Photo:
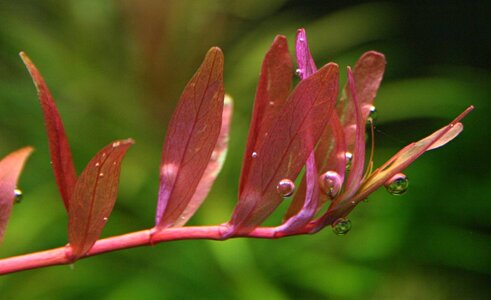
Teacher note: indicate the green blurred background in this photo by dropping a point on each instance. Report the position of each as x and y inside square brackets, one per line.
[116, 69]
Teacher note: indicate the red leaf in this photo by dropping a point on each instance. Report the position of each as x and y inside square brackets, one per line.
[61, 156]
[355, 175]
[94, 197]
[410, 153]
[10, 168]
[330, 156]
[285, 149]
[367, 73]
[191, 138]
[306, 200]
[214, 166]
[274, 85]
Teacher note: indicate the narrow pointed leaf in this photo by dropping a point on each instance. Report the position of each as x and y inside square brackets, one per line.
[274, 85]
[214, 165]
[94, 197]
[286, 148]
[311, 201]
[191, 137]
[10, 169]
[367, 74]
[61, 155]
[395, 165]
[355, 175]
[410, 153]
[330, 156]
[306, 200]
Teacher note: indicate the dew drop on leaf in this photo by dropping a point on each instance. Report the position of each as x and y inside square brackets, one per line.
[330, 183]
[299, 72]
[285, 188]
[18, 196]
[372, 113]
[397, 184]
[349, 158]
[254, 154]
[341, 226]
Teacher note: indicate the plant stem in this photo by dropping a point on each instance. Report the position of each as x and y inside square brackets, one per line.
[63, 256]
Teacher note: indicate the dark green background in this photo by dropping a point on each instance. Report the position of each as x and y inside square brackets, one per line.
[116, 69]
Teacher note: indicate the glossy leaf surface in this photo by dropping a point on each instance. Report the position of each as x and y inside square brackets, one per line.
[60, 153]
[289, 142]
[191, 137]
[10, 169]
[94, 197]
[214, 165]
[274, 85]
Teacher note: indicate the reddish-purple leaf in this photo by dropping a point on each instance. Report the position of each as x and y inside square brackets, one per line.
[306, 200]
[214, 165]
[94, 196]
[310, 202]
[10, 168]
[290, 140]
[355, 175]
[395, 165]
[274, 85]
[329, 156]
[410, 153]
[367, 74]
[191, 137]
[61, 156]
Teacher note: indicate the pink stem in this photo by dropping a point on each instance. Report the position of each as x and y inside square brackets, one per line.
[62, 255]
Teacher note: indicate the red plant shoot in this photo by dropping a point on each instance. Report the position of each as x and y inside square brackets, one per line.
[290, 129]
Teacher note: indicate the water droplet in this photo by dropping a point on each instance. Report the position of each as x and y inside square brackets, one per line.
[101, 174]
[330, 183]
[299, 72]
[97, 164]
[116, 144]
[18, 196]
[301, 39]
[397, 185]
[105, 219]
[254, 154]
[341, 226]
[349, 158]
[285, 188]
[271, 103]
[372, 113]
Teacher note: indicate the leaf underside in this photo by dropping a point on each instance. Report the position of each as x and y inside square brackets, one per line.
[10, 169]
[60, 153]
[214, 166]
[191, 137]
[94, 197]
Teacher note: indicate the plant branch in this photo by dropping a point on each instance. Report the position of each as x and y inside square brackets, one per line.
[63, 255]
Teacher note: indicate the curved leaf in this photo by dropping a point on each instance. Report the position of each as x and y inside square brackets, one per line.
[59, 148]
[306, 201]
[367, 74]
[214, 165]
[94, 197]
[355, 175]
[290, 140]
[275, 83]
[411, 152]
[191, 137]
[10, 168]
